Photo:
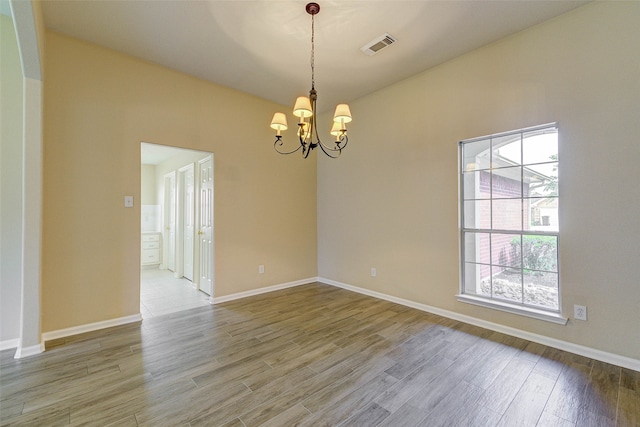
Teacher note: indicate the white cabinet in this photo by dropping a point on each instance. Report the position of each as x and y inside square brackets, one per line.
[150, 251]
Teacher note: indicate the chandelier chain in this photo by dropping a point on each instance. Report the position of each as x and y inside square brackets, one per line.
[313, 44]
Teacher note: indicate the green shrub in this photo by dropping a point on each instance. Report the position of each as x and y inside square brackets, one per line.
[540, 253]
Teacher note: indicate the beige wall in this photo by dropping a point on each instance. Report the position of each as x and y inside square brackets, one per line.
[10, 182]
[99, 106]
[391, 201]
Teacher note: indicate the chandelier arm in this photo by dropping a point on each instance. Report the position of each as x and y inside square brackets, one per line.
[303, 143]
[327, 150]
[301, 137]
[280, 142]
[307, 150]
[306, 153]
[344, 140]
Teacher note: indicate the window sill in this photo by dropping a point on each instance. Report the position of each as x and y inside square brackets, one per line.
[513, 309]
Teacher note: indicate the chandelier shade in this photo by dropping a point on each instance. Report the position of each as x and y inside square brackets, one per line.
[279, 122]
[302, 108]
[336, 130]
[305, 109]
[342, 114]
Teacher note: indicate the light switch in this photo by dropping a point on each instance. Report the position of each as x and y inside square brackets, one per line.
[128, 201]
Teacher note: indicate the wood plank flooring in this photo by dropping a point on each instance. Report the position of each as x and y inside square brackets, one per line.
[313, 355]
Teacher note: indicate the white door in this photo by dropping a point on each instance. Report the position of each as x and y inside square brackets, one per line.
[205, 232]
[170, 220]
[188, 225]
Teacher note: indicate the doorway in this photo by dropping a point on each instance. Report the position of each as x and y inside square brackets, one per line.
[205, 232]
[177, 265]
[187, 206]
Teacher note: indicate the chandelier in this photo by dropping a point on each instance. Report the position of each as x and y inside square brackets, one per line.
[305, 110]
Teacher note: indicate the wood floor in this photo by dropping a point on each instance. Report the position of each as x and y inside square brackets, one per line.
[314, 355]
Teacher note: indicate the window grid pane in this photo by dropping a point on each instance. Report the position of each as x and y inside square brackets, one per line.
[509, 216]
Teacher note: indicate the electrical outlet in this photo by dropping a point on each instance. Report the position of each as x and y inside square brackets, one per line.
[373, 272]
[580, 312]
[261, 269]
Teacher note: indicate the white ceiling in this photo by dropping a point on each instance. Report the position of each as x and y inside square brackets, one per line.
[262, 47]
[154, 154]
[5, 8]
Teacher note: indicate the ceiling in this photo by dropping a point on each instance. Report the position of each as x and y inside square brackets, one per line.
[154, 154]
[5, 8]
[262, 47]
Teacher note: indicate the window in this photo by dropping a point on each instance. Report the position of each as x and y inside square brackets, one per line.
[509, 221]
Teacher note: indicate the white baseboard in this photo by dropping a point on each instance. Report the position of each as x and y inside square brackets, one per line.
[581, 350]
[61, 333]
[7, 344]
[239, 295]
[22, 352]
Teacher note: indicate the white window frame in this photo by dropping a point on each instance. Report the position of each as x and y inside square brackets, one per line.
[520, 308]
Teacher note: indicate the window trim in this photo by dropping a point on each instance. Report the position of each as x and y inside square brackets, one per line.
[550, 315]
[525, 310]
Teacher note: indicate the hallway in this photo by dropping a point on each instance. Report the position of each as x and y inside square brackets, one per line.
[161, 293]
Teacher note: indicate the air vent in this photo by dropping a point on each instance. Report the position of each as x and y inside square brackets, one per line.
[377, 44]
